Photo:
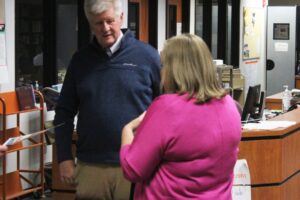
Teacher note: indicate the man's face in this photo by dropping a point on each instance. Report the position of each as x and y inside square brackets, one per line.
[106, 26]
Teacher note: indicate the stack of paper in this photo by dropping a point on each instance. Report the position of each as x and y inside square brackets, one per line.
[268, 125]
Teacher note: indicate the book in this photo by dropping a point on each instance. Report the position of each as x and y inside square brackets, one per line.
[26, 97]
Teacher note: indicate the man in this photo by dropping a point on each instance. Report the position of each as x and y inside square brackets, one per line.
[108, 83]
[3, 148]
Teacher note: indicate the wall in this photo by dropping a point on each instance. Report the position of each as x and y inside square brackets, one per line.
[10, 43]
[1, 10]
[161, 24]
[125, 11]
[255, 72]
[192, 16]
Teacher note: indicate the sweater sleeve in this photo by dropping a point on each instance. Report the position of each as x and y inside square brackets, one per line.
[140, 159]
[156, 75]
[65, 111]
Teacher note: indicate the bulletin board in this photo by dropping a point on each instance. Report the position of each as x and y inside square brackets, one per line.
[252, 33]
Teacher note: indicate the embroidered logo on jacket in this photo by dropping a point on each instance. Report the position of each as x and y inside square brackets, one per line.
[130, 64]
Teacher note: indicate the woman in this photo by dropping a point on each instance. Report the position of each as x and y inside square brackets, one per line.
[186, 145]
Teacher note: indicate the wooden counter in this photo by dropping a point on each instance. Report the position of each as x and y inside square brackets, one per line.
[273, 160]
[274, 102]
[273, 157]
[297, 81]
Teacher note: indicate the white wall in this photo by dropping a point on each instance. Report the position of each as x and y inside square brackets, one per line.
[10, 44]
[192, 16]
[255, 73]
[125, 14]
[161, 24]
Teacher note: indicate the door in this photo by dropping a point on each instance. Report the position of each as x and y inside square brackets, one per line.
[173, 17]
[281, 39]
[138, 19]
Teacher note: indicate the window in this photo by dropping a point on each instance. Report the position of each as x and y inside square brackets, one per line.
[217, 22]
[29, 42]
[47, 35]
[66, 35]
[133, 18]
[199, 18]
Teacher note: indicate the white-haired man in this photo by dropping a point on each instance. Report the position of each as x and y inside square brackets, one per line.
[108, 83]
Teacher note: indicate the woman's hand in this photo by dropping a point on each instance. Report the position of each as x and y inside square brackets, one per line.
[130, 128]
[3, 148]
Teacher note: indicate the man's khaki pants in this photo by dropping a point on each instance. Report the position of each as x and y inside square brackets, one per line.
[100, 181]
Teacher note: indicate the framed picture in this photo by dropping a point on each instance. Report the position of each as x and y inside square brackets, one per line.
[281, 31]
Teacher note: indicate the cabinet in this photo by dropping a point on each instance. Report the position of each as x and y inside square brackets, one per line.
[11, 182]
[232, 79]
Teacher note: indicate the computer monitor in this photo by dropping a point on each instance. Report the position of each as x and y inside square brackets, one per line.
[254, 104]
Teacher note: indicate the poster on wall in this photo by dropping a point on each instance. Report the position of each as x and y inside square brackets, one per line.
[252, 33]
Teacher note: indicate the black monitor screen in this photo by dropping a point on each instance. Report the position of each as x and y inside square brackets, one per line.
[253, 108]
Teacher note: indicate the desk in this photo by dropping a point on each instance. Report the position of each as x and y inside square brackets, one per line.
[273, 160]
[274, 102]
[297, 81]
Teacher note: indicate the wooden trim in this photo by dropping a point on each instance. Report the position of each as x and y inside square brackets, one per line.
[178, 4]
[143, 19]
[285, 191]
[297, 81]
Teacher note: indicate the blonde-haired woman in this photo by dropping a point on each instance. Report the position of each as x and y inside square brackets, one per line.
[186, 145]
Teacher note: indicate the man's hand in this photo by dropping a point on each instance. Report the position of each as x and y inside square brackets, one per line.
[67, 169]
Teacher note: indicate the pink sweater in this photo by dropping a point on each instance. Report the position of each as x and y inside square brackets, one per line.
[184, 151]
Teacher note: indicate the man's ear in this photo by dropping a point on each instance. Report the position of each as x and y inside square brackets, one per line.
[121, 17]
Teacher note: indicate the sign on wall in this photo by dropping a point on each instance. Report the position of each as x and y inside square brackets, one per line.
[252, 33]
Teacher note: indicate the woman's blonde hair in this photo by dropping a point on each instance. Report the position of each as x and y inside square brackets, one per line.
[188, 69]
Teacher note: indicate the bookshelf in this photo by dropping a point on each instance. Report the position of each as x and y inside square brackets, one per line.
[29, 42]
[11, 182]
[232, 79]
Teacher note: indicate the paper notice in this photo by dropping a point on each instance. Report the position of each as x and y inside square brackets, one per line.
[2, 49]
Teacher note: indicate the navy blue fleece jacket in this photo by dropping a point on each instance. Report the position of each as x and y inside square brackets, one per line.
[106, 93]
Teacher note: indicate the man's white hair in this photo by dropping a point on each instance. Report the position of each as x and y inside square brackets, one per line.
[95, 7]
